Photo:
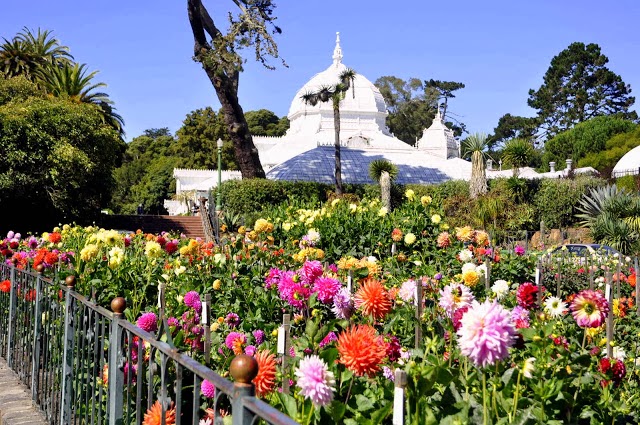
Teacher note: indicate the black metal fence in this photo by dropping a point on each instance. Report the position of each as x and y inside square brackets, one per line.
[85, 364]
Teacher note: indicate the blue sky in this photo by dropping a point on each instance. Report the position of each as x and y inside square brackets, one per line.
[499, 49]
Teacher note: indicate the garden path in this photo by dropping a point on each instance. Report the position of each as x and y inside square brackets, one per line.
[16, 407]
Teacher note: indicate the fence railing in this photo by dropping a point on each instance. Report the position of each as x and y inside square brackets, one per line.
[85, 364]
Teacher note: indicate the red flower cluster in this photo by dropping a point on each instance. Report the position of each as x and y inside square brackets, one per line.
[613, 369]
[527, 295]
[55, 237]
[5, 286]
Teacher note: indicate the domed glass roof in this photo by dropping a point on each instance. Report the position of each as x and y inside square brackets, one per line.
[629, 164]
[363, 97]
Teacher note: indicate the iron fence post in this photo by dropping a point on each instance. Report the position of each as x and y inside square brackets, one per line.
[13, 298]
[67, 359]
[116, 371]
[243, 369]
[37, 325]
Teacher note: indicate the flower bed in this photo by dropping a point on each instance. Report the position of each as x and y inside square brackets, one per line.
[351, 277]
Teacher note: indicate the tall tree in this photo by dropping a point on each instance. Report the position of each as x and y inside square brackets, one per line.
[265, 123]
[578, 86]
[252, 26]
[445, 91]
[335, 94]
[517, 153]
[512, 127]
[412, 105]
[475, 146]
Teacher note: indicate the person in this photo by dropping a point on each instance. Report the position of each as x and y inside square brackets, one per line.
[140, 210]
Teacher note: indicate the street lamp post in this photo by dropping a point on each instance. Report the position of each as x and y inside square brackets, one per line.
[219, 197]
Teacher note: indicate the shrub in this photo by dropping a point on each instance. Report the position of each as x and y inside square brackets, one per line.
[556, 200]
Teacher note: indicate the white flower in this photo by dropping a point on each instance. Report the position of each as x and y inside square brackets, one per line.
[383, 211]
[500, 288]
[466, 267]
[372, 259]
[313, 235]
[555, 306]
[482, 269]
[465, 255]
[179, 270]
[527, 368]
[618, 353]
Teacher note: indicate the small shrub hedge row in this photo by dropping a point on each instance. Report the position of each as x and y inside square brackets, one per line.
[518, 203]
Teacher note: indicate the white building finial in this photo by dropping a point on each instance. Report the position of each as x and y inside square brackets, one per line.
[337, 52]
[438, 117]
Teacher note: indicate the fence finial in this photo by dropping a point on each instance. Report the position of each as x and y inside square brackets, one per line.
[70, 281]
[243, 369]
[118, 305]
[40, 268]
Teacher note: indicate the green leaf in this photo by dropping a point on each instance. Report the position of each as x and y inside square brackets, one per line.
[337, 410]
[289, 403]
[363, 403]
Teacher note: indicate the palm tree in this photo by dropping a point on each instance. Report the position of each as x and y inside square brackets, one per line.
[475, 146]
[334, 93]
[71, 81]
[27, 52]
[517, 153]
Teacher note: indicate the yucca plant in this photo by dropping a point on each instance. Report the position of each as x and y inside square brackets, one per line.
[475, 145]
[378, 166]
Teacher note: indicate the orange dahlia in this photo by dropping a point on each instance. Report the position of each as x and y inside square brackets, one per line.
[361, 350]
[373, 299]
[265, 381]
[154, 415]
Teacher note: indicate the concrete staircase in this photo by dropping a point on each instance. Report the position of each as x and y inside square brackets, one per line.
[189, 225]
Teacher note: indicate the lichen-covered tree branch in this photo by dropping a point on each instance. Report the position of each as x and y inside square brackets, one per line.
[252, 26]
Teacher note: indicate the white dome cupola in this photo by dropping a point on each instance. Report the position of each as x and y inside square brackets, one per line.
[362, 109]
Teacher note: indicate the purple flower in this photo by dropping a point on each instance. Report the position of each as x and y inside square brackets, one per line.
[148, 322]
[259, 336]
[172, 321]
[250, 350]
[292, 290]
[315, 380]
[326, 288]
[519, 250]
[520, 317]
[486, 333]
[234, 341]
[208, 389]
[343, 304]
[333, 268]
[438, 276]
[387, 372]
[232, 320]
[192, 299]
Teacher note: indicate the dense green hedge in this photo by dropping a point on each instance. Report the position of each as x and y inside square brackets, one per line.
[528, 201]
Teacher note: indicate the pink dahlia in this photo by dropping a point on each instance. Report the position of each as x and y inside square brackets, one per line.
[407, 290]
[589, 308]
[293, 291]
[326, 288]
[310, 271]
[192, 299]
[455, 296]
[148, 322]
[315, 380]
[208, 389]
[486, 333]
[235, 341]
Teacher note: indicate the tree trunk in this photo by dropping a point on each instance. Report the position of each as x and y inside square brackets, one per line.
[336, 125]
[224, 77]
[478, 183]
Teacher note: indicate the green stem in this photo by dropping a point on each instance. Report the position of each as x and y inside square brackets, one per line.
[484, 398]
[516, 395]
[310, 413]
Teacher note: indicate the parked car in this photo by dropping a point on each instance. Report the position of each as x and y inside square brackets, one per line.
[582, 249]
